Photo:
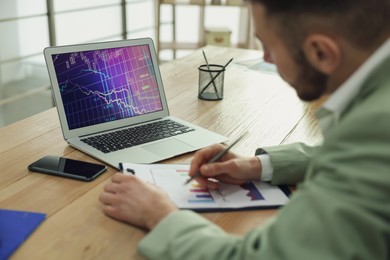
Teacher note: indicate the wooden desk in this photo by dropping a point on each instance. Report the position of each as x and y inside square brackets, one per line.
[75, 227]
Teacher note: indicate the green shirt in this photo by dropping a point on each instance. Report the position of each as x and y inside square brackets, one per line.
[340, 211]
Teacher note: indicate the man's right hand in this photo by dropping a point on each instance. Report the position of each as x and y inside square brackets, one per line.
[231, 168]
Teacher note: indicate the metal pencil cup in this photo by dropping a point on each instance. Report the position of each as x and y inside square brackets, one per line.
[211, 80]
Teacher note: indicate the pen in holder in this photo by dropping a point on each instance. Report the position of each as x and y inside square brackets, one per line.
[211, 80]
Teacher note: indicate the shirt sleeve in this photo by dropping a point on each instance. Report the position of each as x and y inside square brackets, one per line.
[289, 162]
[166, 241]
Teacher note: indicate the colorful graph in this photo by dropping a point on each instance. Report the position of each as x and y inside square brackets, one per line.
[253, 192]
[171, 179]
[199, 195]
[194, 195]
[105, 85]
[246, 192]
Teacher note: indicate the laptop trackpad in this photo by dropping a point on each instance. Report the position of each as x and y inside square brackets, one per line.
[168, 147]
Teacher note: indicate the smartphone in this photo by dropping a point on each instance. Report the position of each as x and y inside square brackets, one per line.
[65, 167]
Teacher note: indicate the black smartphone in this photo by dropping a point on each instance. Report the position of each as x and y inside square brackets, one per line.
[65, 167]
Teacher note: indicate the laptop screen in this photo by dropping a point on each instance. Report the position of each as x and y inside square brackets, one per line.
[104, 85]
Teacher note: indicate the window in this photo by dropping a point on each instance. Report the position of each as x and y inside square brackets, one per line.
[27, 27]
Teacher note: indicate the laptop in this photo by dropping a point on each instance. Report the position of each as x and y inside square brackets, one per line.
[111, 103]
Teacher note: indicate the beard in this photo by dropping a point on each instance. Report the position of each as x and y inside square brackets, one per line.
[310, 83]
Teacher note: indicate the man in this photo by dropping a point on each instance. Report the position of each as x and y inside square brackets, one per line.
[341, 210]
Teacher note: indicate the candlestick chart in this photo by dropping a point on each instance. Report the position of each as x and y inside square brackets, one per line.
[105, 85]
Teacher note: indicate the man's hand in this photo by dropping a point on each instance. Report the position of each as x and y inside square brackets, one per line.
[231, 168]
[136, 202]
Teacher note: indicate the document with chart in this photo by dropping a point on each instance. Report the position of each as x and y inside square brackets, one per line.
[171, 178]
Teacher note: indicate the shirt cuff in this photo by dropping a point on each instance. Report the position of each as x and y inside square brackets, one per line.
[266, 165]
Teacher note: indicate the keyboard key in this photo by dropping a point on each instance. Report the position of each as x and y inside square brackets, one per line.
[141, 134]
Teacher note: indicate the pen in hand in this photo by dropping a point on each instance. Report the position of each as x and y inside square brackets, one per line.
[216, 157]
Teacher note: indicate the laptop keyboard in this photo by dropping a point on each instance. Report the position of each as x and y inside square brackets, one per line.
[125, 138]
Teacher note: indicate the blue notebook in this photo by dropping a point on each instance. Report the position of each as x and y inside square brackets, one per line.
[15, 227]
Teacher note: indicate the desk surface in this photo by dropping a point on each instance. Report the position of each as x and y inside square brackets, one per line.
[76, 228]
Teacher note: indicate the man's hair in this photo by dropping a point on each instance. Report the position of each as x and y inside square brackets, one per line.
[363, 23]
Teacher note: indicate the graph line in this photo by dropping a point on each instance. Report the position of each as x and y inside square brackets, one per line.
[104, 85]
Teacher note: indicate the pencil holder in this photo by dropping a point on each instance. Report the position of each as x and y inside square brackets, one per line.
[211, 80]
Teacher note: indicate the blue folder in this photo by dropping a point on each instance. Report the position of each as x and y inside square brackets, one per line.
[15, 227]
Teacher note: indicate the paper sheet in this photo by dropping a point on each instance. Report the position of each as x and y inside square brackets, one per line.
[171, 178]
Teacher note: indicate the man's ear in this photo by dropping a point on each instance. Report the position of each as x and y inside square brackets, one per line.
[322, 52]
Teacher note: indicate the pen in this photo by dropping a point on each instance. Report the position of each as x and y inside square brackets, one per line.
[127, 169]
[211, 76]
[212, 80]
[217, 157]
[130, 171]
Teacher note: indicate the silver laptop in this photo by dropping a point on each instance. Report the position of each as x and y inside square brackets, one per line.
[108, 87]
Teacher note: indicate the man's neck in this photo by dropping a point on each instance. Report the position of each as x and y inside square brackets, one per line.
[349, 88]
[352, 58]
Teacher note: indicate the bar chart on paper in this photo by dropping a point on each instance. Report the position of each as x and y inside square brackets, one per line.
[199, 194]
[171, 178]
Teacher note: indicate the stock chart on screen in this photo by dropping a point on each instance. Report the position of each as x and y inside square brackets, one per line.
[106, 85]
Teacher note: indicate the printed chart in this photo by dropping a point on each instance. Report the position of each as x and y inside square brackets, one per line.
[171, 178]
